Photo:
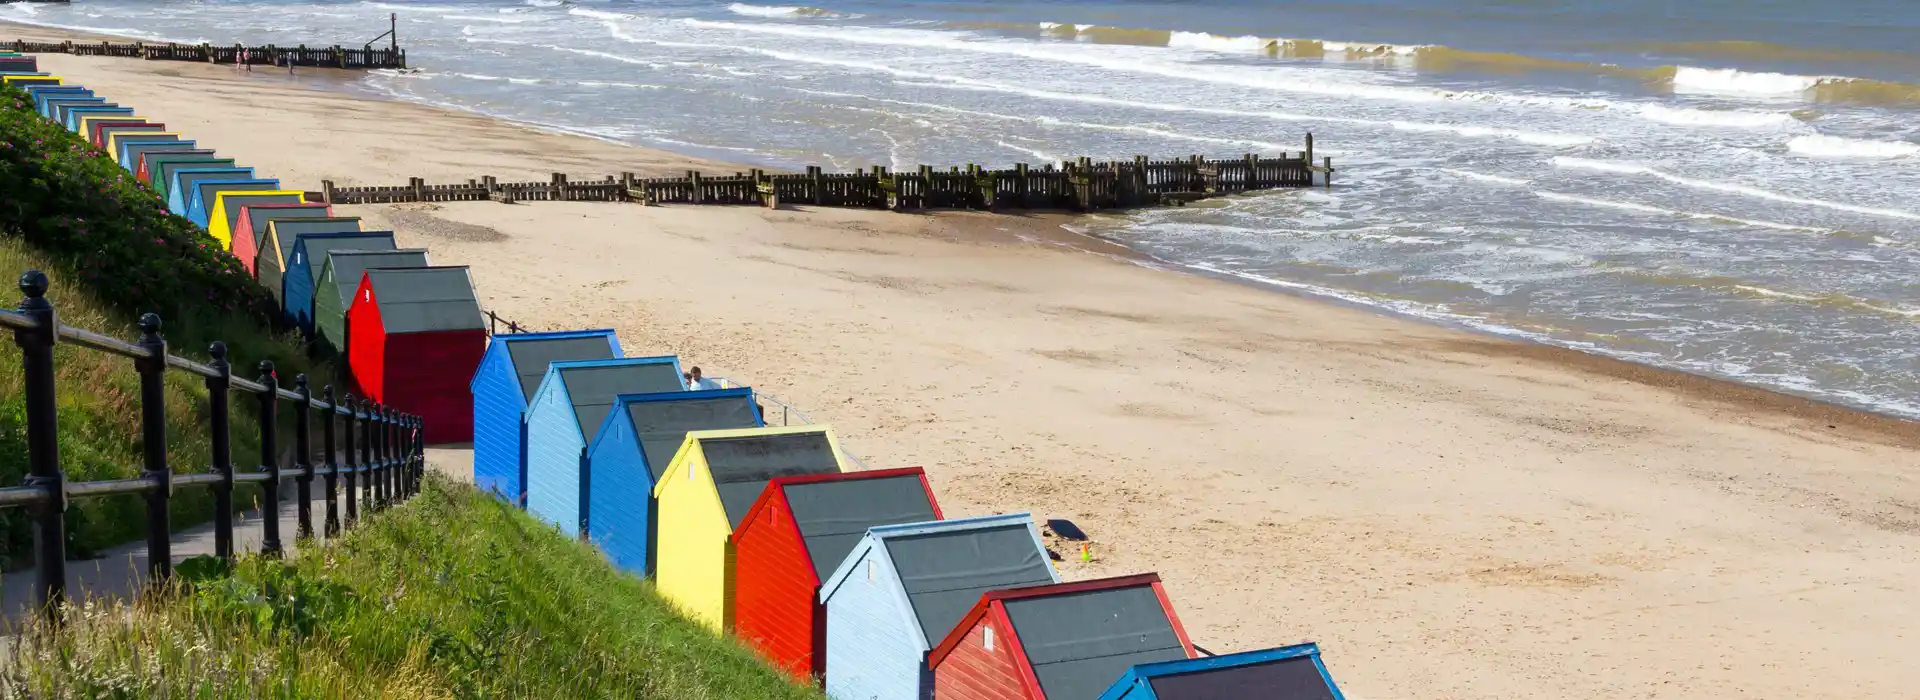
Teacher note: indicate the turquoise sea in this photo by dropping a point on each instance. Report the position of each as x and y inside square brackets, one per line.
[1726, 187]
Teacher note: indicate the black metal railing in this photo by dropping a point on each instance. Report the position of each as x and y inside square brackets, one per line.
[389, 464]
[495, 323]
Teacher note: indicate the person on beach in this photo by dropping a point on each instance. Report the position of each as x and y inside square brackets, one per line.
[697, 383]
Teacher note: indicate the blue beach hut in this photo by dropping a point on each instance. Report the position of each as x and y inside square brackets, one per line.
[200, 196]
[904, 587]
[42, 93]
[180, 190]
[73, 114]
[1282, 673]
[58, 105]
[641, 435]
[565, 415]
[131, 147]
[304, 263]
[509, 375]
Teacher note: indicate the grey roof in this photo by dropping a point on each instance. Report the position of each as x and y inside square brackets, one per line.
[1079, 643]
[426, 299]
[257, 218]
[318, 245]
[208, 190]
[945, 572]
[530, 357]
[234, 207]
[351, 263]
[189, 180]
[834, 515]
[663, 425]
[742, 466]
[593, 389]
[286, 230]
[1295, 678]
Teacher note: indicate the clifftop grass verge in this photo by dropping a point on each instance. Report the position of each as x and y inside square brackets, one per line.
[452, 595]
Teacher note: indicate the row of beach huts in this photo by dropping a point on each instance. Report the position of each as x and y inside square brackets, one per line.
[409, 333]
[852, 579]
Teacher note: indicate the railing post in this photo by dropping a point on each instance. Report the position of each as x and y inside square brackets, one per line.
[270, 460]
[396, 443]
[352, 465]
[382, 462]
[303, 455]
[43, 443]
[366, 455]
[332, 462]
[219, 430]
[419, 454]
[153, 442]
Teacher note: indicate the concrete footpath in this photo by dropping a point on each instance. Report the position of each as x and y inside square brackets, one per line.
[122, 570]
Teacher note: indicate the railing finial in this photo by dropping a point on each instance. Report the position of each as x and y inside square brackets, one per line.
[266, 371]
[149, 327]
[299, 382]
[219, 352]
[34, 284]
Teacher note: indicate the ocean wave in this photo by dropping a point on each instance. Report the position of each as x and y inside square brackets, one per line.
[1838, 147]
[1213, 42]
[1729, 80]
[781, 11]
[1731, 188]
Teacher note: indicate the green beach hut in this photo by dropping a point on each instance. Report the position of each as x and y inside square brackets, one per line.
[339, 279]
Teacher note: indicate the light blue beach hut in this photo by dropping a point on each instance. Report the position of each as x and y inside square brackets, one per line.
[74, 113]
[565, 415]
[639, 439]
[509, 375]
[1282, 673]
[42, 93]
[904, 587]
[180, 191]
[62, 107]
[131, 148]
[200, 197]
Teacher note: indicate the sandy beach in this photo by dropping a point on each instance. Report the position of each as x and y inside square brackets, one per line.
[1448, 515]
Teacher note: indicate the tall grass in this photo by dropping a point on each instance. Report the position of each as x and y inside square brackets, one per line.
[452, 595]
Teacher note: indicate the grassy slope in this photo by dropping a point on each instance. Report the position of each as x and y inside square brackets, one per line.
[453, 595]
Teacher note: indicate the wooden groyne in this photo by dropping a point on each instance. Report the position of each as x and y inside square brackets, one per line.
[364, 58]
[1077, 185]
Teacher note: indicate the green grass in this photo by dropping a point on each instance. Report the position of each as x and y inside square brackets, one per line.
[452, 595]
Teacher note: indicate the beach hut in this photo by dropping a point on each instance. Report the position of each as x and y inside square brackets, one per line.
[19, 64]
[566, 413]
[23, 80]
[103, 133]
[903, 587]
[54, 105]
[303, 266]
[90, 121]
[80, 117]
[416, 336]
[626, 459]
[793, 538]
[250, 228]
[226, 209]
[339, 278]
[507, 378]
[1282, 673]
[1062, 641]
[180, 190]
[201, 197]
[703, 496]
[270, 263]
[131, 150]
[157, 169]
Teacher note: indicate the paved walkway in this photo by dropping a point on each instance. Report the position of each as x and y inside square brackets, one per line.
[122, 570]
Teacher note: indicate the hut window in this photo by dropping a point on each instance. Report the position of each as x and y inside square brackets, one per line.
[987, 637]
[869, 569]
[297, 257]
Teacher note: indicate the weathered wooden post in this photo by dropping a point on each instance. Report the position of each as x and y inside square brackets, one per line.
[153, 442]
[270, 460]
[557, 190]
[326, 192]
[1309, 156]
[699, 194]
[1253, 172]
[419, 188]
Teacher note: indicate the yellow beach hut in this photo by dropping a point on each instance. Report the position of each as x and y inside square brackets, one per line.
[707, 489]
[226, 209]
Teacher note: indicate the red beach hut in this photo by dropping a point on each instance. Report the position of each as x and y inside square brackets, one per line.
[1062, 641]
[792, 539]
[414, 338]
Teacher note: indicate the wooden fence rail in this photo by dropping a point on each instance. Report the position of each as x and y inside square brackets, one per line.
[270, 55]
[1079, 185]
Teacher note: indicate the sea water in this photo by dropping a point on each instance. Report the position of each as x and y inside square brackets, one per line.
[1726, 187]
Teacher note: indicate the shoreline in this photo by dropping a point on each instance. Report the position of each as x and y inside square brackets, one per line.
[1449, 514]
[1894, 429]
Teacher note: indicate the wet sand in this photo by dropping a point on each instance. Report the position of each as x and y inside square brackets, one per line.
[1449, 515]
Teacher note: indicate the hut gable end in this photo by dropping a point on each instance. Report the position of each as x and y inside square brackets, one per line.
[426, 299]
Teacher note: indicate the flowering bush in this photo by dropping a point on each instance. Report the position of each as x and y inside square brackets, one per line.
[72, 202]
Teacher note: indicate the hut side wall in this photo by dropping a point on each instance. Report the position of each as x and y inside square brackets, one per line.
[692, 546]
[873, 647]
[329, 318]
[620, 502]
[553, 453]
[498, 408]
[775, 607]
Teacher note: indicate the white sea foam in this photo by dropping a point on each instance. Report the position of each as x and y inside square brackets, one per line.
[1839, 147]
[1482, 177]
[1638, 169]
[741, 8]
[1213, 42]
[1739, 82]
[1685, 116]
